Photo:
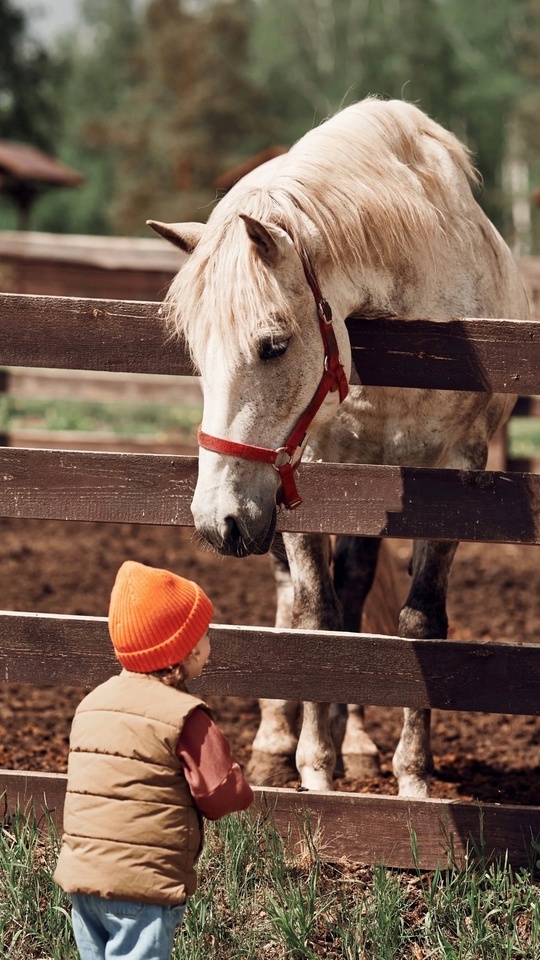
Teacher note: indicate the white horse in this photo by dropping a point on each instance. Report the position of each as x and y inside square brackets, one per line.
[374, 208]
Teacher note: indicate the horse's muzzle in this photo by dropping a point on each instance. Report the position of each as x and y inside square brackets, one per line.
[233, 539]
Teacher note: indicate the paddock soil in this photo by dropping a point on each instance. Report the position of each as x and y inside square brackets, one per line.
[56, 567]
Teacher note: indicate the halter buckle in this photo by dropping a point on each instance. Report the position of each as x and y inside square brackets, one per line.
[325, 311]
[282, 458]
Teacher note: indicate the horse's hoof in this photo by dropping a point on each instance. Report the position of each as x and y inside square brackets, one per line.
[270, 769]
[316, 780]
[361, 766]
[415, 787]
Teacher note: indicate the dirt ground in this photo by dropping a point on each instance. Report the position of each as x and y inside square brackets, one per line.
[56, 567]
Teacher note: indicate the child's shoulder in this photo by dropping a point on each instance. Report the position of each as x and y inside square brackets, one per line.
[141, 693]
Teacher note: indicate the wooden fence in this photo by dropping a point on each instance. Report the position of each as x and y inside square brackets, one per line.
[131, 268]
[462, 354]
[138, 269]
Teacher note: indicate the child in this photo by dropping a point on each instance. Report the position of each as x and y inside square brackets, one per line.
[146, 763]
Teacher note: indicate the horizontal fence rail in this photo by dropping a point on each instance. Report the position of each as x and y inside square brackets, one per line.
[380, 670]
[502, 356]
[376, 669]
[364, 827]
[459, 354]
[360, 499]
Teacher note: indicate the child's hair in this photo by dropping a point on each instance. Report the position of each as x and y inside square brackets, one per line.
[174, 676]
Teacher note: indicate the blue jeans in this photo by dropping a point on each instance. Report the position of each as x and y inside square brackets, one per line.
[120, 930]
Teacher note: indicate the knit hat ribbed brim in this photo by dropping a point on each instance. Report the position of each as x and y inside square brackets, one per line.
[156, 618]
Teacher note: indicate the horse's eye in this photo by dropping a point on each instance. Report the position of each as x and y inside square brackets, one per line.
[272, 347]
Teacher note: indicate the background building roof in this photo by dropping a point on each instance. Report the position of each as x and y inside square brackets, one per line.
[24, 162]
[227, 180]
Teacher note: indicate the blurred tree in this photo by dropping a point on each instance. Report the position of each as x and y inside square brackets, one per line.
[458, 60]
[527, 44]
[192, 107]
[101, 62]
[159, 97]
[487, 88]
[316, 54]
[29, 110]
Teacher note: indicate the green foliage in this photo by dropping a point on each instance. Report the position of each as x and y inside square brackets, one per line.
[487, 89]
[122, 420]
[191, 105]
[100, 65]
[34, 912]
[524, 437]
[472, 66]
[322, 54]
[29, 110]
[158, 98]
[28, 78]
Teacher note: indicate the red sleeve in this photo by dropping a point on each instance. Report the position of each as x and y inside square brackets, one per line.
[215, 780]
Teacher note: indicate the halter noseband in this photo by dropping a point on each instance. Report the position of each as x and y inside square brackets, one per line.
[333, 378]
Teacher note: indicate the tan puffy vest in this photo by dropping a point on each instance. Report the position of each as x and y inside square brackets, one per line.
[131, 829]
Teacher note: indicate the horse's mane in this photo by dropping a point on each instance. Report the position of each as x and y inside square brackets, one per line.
[377, 181]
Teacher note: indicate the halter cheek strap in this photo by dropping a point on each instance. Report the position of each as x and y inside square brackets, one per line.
[333, 378]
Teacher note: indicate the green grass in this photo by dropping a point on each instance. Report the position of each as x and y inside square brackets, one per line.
[257, 898]
[126, 420]
[34, 913]
[120, 419]
[524, 437]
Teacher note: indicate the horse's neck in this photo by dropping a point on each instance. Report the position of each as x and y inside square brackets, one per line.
[455, 280]
[379, 292]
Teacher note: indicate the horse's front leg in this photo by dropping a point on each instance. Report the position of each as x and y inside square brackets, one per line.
[355, 562]
[423, 617]
[315, 607]
[274, 747]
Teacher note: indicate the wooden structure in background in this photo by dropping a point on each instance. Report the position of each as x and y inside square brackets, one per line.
[122, 268]
[228, 179]
[26, 172]
[68, 265]
[372, 500]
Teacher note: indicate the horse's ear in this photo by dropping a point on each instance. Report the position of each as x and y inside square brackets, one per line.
[183, 235]
[271, 242]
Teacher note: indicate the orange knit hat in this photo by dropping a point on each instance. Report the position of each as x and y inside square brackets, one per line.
[155, 617]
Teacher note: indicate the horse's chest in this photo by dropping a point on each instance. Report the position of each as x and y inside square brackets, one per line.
[407, 427]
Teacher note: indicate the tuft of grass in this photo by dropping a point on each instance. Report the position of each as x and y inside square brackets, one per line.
[261, 896]
[119, 419]
[524, 437]
[35, 920]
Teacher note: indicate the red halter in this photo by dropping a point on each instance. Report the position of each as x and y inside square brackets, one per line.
[333, 378]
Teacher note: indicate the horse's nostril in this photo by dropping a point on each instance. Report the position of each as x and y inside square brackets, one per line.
[230, 537]
[231, 532]
[226, 537]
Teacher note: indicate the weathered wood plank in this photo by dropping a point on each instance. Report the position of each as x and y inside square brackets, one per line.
[90, 385]
[342, 667]
[76, 333]
[360, 499]
[377, 829]
[527, 407]
[460, 354]
[500, 356]
[29, 790]
[105, 440]
[364, 828]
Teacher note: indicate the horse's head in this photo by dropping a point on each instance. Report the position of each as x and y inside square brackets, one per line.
[249, 313]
